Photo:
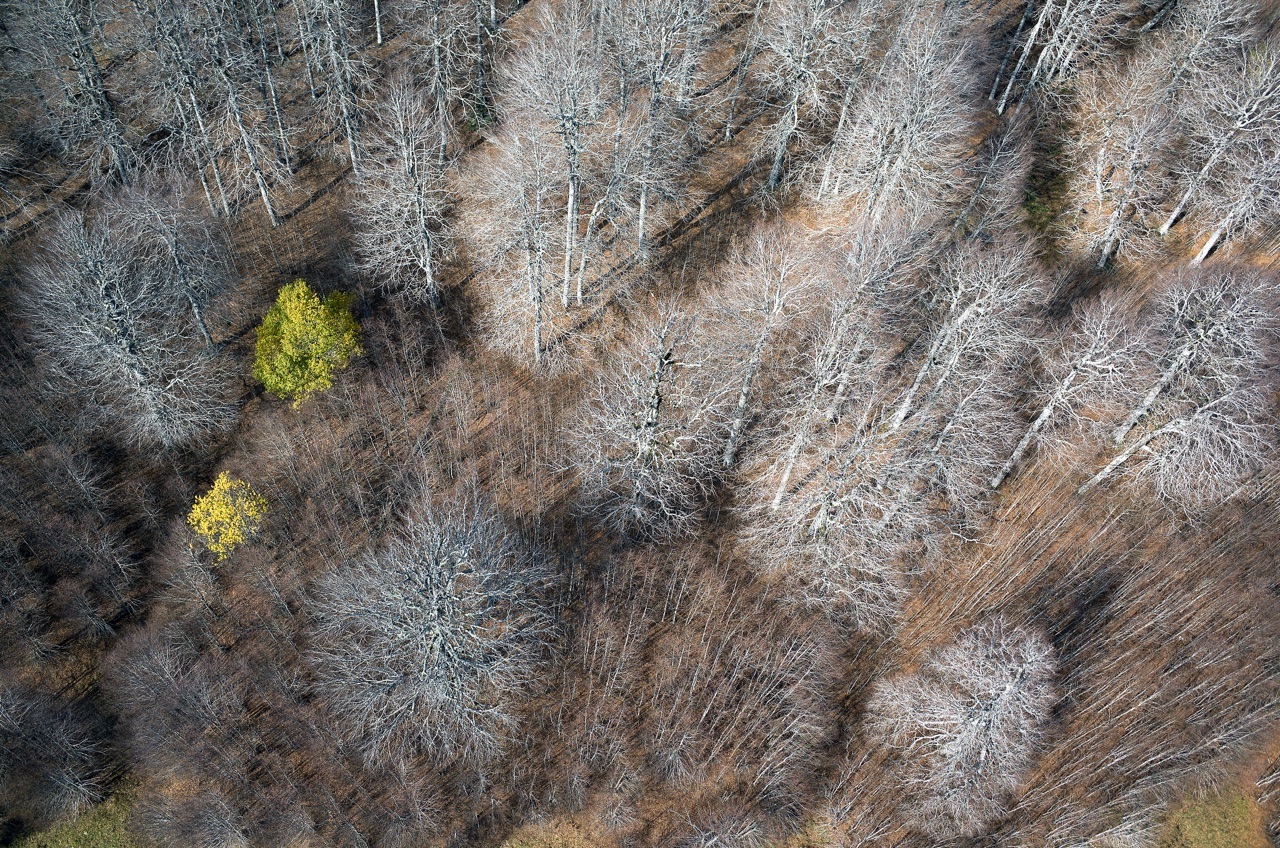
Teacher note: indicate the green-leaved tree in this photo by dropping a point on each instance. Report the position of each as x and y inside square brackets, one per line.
[303, 341]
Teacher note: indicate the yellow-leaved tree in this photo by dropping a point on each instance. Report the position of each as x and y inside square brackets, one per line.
[226, 515]
[303, 341]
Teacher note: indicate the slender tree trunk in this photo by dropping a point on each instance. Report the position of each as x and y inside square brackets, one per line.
[1214, 238]
[943, 338]
[744, 393]
[377, 20]
[1167, 378]
[792, 119]
[1196, 182]
[570, 233]
[250, 153]
[1125, 455]
[835, 141]
[1027, 47]
[585, 250]
[1008, 54]
[1034, 430]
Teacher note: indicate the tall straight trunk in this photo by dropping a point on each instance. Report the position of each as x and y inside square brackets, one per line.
[198, 314]
[233, 101]
[1214, 238]
[272, 96]
[535, 292]
[825, 363]
[1111, 239]
[570, 232]
[1008, 54]
[585, 250]
[744, 393]
[1196, 182]
[377, 20]
[1037, 425]
[835, 141]
[210, 153]
[646, 432]
[792, 121]
[1139, 412]
[1027, 47]
[948, 331]
[1125, 455]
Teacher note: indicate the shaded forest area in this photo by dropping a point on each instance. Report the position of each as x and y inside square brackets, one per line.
[734, 422]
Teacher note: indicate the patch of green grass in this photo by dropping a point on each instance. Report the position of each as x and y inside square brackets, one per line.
[101, 827]
[1224, 821]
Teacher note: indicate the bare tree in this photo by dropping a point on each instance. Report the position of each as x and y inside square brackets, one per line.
[648, 435]
[427, 644]
[976, 312]
[51, 766]
[174, 89]
[552, 85]
[328, 29]
[156, 216]
[998, 178]
[764, 288]
[964, 728]
[1246, 200]
[1128, 132]
[242, 128]
[907, 144]
[109, 324]
[1241, 113]
[61, 42]
[800, 37]
[513, 229]
[1065, 35]
[400, 206]
[1090, 361]
[659, 45]
[878, 260]
[1200, 419]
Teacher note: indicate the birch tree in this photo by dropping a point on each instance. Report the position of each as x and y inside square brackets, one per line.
[554, 80]
[660, 44]
[964, 729]
[242, 127]
[976, 312]
[188, 249]
[1241, 113]
[175, 90]
[328, 30]
[427, 644]
[514, 229]
[400, 205]
[907, 145]
[1120, 155]
[1200, 397]
[1062, 36]
[765, 288]
[450, 43]
[1246, 200]
[1090, 362]
[799, 38]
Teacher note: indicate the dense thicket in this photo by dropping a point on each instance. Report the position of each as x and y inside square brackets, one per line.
[841, 420]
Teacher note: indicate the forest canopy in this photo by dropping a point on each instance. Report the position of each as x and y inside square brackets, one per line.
[639, 423]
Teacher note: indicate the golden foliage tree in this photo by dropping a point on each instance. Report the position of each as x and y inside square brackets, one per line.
[226, 515]
[303, 341]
